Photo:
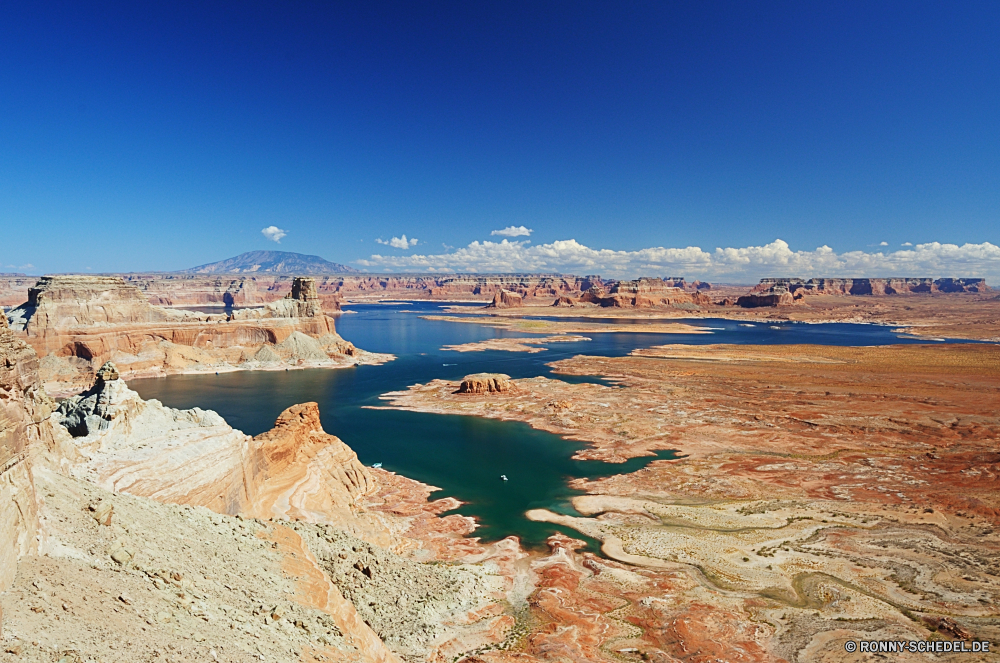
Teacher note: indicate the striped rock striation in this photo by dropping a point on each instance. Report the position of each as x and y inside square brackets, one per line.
[77, 323]
[130, 445]
[23, 406]
[640, 293]
[506, 299]
[306, 473]
[27, 435]
[867, 286]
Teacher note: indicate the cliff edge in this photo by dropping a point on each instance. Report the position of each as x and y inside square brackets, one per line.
[77, 323]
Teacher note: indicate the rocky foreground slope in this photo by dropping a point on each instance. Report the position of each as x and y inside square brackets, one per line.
[118, 543]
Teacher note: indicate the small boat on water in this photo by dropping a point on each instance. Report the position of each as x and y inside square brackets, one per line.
[376, 465]
[503, 476]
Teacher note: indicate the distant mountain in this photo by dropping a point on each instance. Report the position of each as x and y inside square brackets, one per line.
[272, 262]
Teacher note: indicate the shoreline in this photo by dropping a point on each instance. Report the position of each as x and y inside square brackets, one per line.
[157, 373]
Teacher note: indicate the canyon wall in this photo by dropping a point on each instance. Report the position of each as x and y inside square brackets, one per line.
[241, 290]
[26, 435]
[21, 406]
[76, 323]
[640, 293]
[244, 290]
[862, 286]
[784, 291]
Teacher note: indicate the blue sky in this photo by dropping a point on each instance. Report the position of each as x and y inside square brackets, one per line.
[140, 138]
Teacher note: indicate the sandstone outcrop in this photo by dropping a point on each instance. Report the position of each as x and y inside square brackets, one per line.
[775, 295]
[23, 406]
[76, 323]
[506, 299]
[485, 383]
[869, 286]
[130, 445]
[259, 288]
[783, 291]
[305, 473]
[645, 292]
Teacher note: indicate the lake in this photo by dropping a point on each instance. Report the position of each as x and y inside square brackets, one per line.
[464, 456]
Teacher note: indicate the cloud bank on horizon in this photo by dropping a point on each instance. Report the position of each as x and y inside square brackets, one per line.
[723, 264]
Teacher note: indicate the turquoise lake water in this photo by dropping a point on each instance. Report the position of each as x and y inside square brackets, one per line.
[464, 456]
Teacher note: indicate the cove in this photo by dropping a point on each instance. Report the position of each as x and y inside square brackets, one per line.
[464, 456]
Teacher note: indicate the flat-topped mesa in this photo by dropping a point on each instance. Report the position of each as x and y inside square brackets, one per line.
[872, 286]
[645, 292]
[77, 323]
[62, 302]
[506, 299]
[302, 302]
[486, 383]
[777, 294]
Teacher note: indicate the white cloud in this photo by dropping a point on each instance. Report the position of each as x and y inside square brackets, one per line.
[744, 265]
[398, 242]
[273, 233]
[513, 231]
[907, 244]
[883, 243]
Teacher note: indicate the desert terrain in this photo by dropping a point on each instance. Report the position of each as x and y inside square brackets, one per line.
[820, 494]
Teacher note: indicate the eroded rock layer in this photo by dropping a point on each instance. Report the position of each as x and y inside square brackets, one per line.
[23, 406]
[821, 494]
[506, 299]
[866, 286]
[76, 323]
[206, 585]
[238, 290]
[485, 383]
[305, 473]
[640, 293]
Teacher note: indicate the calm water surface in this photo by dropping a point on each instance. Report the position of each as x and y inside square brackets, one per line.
[464, 456]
